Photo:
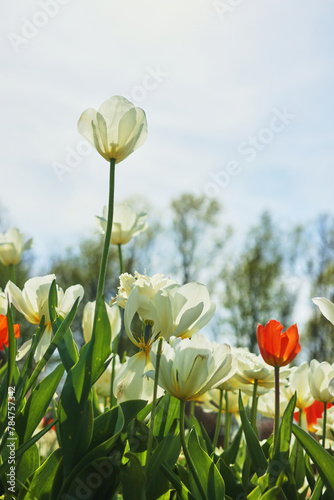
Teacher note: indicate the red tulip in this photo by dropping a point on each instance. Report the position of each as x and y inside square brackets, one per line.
[276, 347]
[4, 331]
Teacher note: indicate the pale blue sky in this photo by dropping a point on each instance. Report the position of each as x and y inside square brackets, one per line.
[213, 79]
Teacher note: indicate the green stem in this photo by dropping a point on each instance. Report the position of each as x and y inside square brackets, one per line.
[104, 260]
[219, 419]
[186, 451]
[254, 406]
[227, 423]
[12, 273]
[113, 399]
[120, 257]
[154, 405]
[277, 409]
[324, 425]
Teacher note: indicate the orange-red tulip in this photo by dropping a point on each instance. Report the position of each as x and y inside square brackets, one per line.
[4, 331]
[278, 348]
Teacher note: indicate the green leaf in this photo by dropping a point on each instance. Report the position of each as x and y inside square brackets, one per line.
[24, 447]
[230, 454]
[27, 464]
[167, 451]
[133, 476]
[280, 462]
[206, 469]
[182, 490]
[168, 410]
[106, 432]
[256, 453]
[323, 461]
[75, 405]
[38, 403]
[316, 494]
[232, 484]
[274, 494]
[39, 485]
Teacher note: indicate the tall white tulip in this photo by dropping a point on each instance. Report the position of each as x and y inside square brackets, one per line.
[116, 130]
[12, 246]
[298, 383]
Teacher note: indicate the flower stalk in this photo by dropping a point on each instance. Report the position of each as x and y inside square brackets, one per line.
[324, 425]
[104, 260]
[277, 409]
[154, 404]
[219, 417]
[227, 423]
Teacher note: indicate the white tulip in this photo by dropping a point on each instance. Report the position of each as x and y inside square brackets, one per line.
[192, 366]
[126, 224]
[116, 130]
[12, 246]
[33, 303]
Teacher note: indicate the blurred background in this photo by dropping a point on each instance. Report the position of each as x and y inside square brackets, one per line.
[236, 175]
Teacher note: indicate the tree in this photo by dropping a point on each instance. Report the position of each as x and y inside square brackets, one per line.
[254, 289]
[195, 219]
[319, 332]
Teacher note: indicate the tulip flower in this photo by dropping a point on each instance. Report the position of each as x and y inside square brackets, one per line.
[326, 307]
[319, 377]
[131, 380]
[88, 320]
[276, 347]
[146, 285]
[116, 130]
[12, 246]
[251, 371]
[192, 366]
[126, 224]
[298, 383]
[266, 404]
[4, 339]
[175, 310]
[33, 303]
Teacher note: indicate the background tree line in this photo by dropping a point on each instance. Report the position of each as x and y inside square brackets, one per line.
[272, 272]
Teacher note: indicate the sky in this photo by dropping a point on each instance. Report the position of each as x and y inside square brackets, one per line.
[238, 96]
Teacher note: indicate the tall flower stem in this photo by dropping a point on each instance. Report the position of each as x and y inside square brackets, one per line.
[104, 260]
[277, 412]
[12, 273]
[154, 404]
[219, 418]
[120, 257]
[324, 425]
[254, 406]
[227, 423]
[113, 400]
[186, 451]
